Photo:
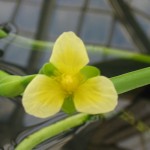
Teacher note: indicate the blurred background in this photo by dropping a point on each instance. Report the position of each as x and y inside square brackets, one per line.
[118, 24]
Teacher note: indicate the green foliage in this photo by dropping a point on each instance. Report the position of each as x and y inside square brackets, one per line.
[68, 106]
[90, 71]
[48, 69]
[12, 85]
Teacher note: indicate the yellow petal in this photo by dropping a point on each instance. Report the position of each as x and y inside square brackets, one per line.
[96, 95]
[69, 54]
[43, 97]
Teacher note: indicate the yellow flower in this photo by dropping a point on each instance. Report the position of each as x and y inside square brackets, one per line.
[45, 95]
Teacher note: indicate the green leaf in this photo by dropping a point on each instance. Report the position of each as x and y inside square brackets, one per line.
[48, 69]
[68, 106]
[90, 71]
[12, 85]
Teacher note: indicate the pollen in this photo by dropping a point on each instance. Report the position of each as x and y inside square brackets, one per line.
[70, 83]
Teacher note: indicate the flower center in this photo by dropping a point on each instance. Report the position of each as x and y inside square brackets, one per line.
[70, 83]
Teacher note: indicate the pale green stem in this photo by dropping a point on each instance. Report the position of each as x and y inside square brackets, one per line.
[52, 130]
[122, 83]
[23, 42]
[120, 53]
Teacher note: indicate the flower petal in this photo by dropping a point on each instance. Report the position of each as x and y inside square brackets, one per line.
[96, 95]
[43, 97]
[69, 54]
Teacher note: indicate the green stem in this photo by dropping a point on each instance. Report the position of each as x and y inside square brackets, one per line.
[52, 130]
[122, 83]
[132, 80]
[43, 45]
[120, 53]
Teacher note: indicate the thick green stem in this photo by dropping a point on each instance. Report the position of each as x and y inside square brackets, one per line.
[52, 130]
[132, 80]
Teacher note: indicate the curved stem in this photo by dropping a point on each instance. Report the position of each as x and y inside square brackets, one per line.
[52, 130]
[120, 53]
[43, 45]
